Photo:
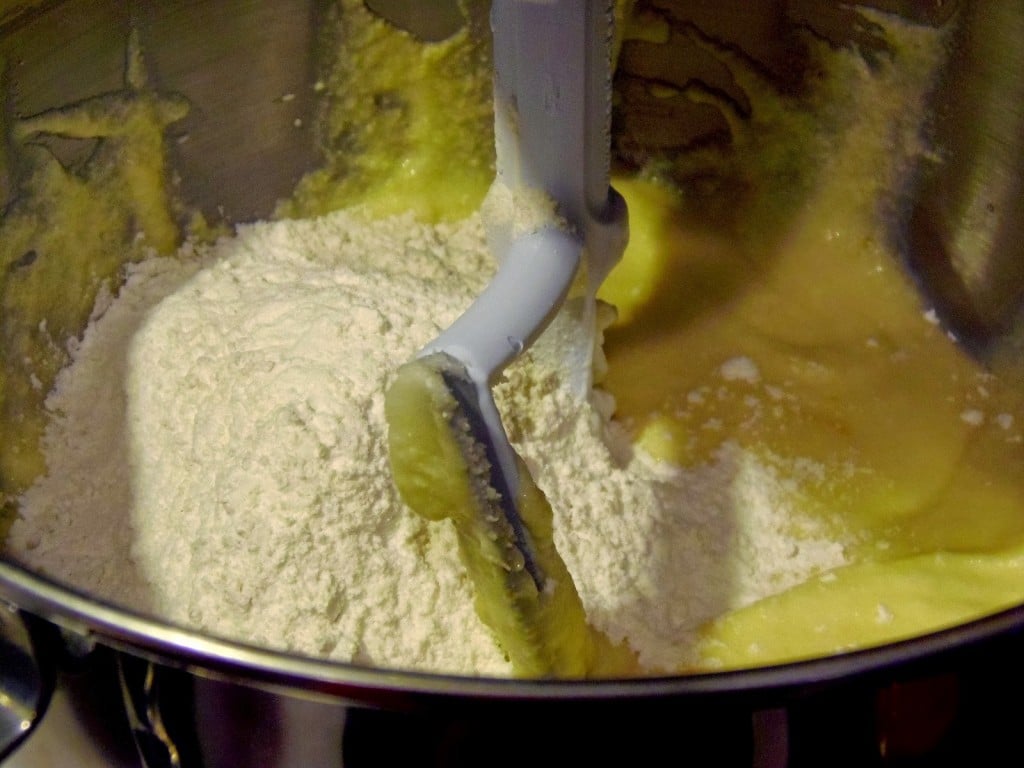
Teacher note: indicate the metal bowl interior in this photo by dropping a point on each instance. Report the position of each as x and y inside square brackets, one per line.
[234, 61]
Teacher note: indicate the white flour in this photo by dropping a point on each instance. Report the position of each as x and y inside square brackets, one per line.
[217, 457]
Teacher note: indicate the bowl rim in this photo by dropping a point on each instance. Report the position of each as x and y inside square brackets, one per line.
[173, 645]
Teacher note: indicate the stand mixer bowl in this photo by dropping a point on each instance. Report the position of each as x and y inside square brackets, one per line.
[194, 699]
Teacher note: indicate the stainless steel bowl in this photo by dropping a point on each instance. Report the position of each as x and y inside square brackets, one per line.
[193, 699]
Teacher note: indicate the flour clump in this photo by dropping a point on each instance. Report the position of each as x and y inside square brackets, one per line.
[217, 457]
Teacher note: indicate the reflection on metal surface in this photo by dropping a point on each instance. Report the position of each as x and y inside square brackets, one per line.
[965, 238]
[435, 21]
[24, 689]
[84, 725]
[181, 719]
[139, 691]
[249, 71]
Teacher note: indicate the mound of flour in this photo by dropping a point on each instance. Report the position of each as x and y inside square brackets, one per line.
[217, 457]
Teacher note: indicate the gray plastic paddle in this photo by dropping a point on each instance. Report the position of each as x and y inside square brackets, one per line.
[552, 101]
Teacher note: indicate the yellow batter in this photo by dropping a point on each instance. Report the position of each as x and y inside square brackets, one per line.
[921, 448]
[406, 128]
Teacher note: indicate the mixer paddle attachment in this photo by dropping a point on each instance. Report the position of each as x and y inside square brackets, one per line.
[551, 216]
